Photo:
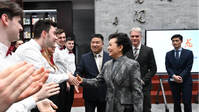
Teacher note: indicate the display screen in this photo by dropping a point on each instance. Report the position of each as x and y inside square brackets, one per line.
[160, 41]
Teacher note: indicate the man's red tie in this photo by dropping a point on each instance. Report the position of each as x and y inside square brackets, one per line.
[70, 52]
[9, 52]
[62, 48]
[42, 50]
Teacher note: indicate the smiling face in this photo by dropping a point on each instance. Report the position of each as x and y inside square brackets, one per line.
[51, 37]
[61, 39]
[96, 45]
[14, 28]
[135, 38]
[115, 51]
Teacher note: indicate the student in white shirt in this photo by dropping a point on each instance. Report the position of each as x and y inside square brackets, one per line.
[58, 58]
[10, 18]
[71, 67]
[48, 55]
[69, 54]
[44, 36]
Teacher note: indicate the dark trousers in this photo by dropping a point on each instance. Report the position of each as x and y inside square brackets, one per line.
[69, 99]
[62, 97]
[147, 101]
[91, 105]
[184, 91]
[71, 96]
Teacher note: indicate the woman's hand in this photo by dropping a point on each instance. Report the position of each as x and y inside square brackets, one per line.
[79, 79]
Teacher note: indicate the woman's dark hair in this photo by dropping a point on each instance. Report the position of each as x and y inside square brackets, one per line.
[122, 39]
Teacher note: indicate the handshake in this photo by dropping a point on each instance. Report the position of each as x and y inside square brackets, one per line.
[74, 80]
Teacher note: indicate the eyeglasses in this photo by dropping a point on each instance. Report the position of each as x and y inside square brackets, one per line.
[135, 36]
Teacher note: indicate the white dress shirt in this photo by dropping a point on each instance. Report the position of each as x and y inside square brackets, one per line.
[100, 59]
[24, 105]
[58, 58]
[31, 52]
[69, 60]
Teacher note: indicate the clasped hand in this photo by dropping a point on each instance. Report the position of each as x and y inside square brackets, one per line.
[178, 79]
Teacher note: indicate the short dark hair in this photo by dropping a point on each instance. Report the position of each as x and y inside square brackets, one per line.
[11, 9]
[177, 36]
[70, 39]
[122, 39]
[18, 40]
[97, 35]
[42, 25]
[59, 31]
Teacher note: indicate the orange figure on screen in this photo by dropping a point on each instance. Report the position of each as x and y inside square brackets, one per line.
[188, 43]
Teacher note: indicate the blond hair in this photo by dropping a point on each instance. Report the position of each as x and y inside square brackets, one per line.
[46, 54]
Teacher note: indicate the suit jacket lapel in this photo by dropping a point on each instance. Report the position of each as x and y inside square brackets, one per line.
[173, 58]
[93, 61]
[140, 53]
[182, 52]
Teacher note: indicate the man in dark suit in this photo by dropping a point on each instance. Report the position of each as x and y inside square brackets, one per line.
[145, 57]
[89, 67]
[178, 65]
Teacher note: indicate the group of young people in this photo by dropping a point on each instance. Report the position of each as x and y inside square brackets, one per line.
[118, 81]
[36, 82]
